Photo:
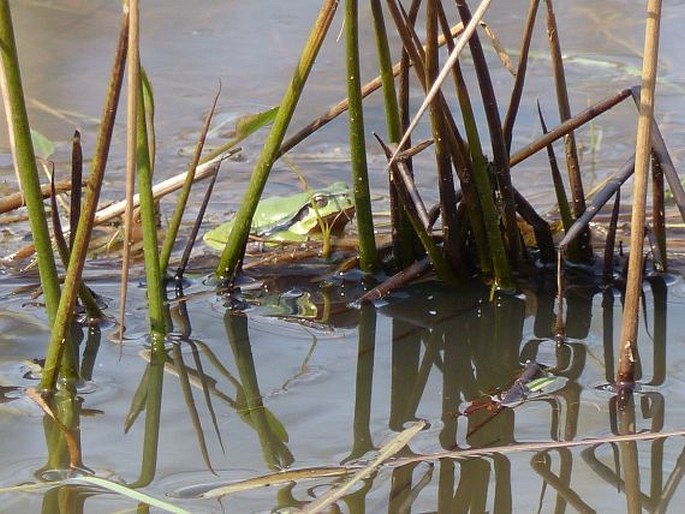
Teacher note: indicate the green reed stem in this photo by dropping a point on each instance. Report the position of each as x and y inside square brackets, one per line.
[235, 248]
[368, 255]
[153, 273]
[404, 239]
[25, 160]
[84, 229]
[392, 113]
[497, 254]
[500, 154]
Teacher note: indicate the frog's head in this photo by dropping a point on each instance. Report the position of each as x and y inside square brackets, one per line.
[330, 208]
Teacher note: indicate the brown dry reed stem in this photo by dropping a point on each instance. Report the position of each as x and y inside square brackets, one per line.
[16, 200]
[25, 161]
[235, 248]
[628, 340]
[400, 279]
[83, 232]
[132, 81]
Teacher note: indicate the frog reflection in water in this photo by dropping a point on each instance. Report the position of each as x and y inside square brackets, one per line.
[294, 218]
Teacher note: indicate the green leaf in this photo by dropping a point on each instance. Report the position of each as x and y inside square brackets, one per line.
[539, 383]
[249, 123]
[42, 146]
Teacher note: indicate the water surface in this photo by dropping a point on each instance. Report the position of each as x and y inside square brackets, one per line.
[293, 377]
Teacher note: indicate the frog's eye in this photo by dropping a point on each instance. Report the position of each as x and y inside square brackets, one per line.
[320, 201]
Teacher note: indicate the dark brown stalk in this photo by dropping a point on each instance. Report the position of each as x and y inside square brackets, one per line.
[665, 162]
[500, 154]
[404, 175]
[407, 154]
[582, 250]
[659, 209]
[64, 250]
[517, 90]
[398, 280]
[559, 188]
[568, 126]
[196, 226]
[543, 234]
[598, 201]
[76, 178]
[610, 242]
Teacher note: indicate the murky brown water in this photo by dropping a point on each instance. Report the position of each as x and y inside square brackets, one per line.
[330, 391]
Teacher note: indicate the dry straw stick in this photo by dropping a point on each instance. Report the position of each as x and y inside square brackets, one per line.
[133, 58]
[643, 147]
[390, 449]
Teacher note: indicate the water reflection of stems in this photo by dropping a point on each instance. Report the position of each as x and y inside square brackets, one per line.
[180, 367]
[272, 435]
[541, 463]
[151, 391]
[363, 383]
[629, 456]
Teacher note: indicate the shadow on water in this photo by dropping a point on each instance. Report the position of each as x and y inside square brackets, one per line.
[247, 410]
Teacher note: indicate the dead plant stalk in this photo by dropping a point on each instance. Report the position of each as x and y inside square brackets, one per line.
[628, 340]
